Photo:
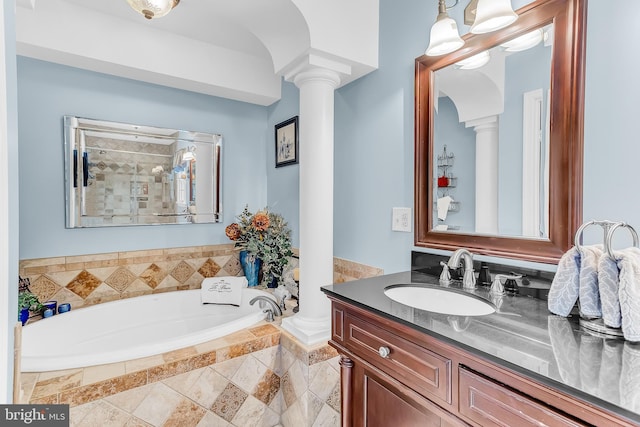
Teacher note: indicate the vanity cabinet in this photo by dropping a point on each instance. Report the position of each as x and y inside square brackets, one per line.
[395, 375]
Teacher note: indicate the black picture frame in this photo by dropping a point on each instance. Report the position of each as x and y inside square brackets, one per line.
[286, 138]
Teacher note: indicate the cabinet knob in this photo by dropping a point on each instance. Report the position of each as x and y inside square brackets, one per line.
[384, 352]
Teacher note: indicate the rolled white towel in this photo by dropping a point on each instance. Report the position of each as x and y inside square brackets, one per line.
[223, 290]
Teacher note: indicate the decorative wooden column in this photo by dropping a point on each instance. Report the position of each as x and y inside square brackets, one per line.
[346, 392]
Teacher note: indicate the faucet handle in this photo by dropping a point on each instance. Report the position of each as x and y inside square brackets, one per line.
[269, 312]
[496, 287]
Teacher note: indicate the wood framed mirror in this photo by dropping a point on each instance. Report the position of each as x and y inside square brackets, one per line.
[563, 23]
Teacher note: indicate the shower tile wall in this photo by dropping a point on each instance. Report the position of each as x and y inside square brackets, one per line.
[125, 181]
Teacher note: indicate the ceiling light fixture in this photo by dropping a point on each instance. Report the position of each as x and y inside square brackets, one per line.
[153, 8]
[492, 15]
[444, 37]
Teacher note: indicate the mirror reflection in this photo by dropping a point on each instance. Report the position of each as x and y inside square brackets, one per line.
[119, 174]
[490, 140]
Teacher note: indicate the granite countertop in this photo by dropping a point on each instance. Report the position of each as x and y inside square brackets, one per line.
[522, 335]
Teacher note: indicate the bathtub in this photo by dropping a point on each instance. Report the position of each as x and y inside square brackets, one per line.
[131, 328]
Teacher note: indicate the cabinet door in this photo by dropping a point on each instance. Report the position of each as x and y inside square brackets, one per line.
[380, 401]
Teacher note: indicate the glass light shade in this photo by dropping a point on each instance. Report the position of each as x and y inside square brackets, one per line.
[444, 37]
[492, 15]
[475, 61]
[524, 42]
[153, 8]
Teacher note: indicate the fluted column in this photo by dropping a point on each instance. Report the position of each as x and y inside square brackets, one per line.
[312, 323]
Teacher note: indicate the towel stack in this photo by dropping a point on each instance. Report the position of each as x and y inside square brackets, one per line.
[605, 288]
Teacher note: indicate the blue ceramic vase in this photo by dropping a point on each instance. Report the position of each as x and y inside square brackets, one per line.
[24, 315]
[251, 267]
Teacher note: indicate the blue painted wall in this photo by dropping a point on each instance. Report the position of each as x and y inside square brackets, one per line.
[47, 91]
[283, 182]
[373, 142]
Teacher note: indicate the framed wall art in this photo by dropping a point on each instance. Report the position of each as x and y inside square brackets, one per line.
[287, 142]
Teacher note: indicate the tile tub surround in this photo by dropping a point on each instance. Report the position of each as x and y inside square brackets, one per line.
[93, 279]
[258, 377]
[300, 383]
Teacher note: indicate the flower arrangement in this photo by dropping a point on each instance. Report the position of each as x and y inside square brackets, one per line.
[264, 235]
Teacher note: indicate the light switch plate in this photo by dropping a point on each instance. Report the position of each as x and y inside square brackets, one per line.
[401, 220]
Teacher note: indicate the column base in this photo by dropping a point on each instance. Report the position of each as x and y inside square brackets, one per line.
[308, 331]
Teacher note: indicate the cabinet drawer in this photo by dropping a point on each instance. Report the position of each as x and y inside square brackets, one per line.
[422, 370]
[491, 404]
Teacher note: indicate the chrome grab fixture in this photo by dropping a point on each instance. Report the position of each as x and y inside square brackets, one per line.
[469, 279]
[274, 308]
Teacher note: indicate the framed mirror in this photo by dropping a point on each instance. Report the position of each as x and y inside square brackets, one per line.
[120, 174]
[499, 137]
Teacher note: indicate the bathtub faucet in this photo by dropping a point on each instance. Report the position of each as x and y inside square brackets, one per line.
[271, 311]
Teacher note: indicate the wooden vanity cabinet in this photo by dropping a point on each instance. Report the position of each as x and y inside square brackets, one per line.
[394, 375]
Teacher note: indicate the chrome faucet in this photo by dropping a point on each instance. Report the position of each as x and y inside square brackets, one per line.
[274, 308]
[469, 279]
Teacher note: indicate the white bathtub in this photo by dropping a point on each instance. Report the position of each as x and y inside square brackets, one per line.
[131, 328]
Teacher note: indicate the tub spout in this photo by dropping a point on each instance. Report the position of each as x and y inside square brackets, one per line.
[274, 308]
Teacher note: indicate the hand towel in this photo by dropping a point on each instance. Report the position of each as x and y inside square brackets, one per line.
[443, 207]
[589, 295]
[577, 276]
[629, 292]
[566, 284]
[609, 284]
[223, 290]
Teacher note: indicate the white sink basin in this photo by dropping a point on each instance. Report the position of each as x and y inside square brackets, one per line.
[439, 300]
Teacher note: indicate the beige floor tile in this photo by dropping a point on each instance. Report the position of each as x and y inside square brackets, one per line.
[104, 414]
[228, 368]
[250, 413]
[249, 374]
[183, 382]
[129, 400]
[212, 420]
[156, 407]
[77, 413]
[207, 388]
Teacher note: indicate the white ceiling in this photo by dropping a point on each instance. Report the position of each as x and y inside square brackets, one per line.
[238, 49]
[209, 21]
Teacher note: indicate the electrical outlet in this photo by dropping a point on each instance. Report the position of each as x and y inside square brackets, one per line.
[401, 220]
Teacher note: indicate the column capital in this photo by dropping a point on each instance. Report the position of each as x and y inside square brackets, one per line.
[314, 67]
[489, 122]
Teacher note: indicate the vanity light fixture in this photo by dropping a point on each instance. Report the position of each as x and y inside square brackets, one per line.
[524, 42]
[153, 8]
[492, 15]
[444, 37]
[475, 61]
